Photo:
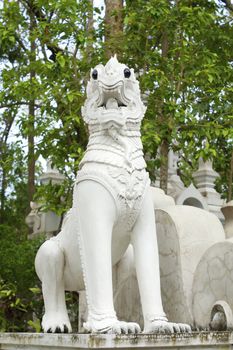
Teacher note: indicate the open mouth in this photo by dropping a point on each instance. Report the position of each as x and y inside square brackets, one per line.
[112, 103]
[109, 93]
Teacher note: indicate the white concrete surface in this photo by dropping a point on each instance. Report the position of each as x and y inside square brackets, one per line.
[40, 341]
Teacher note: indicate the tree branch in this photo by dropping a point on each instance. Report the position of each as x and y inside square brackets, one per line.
[20, 42]
[39, 15]
[13, 104]
[5, 133]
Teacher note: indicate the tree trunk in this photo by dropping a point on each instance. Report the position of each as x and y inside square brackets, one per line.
[164, 148]
[90, 20]
[89, 29]
[113, 27]
[31, 117]
[3, 156]
[3, 189]
[31, 151]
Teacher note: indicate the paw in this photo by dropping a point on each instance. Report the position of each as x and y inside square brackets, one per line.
[121, 327]
[56, 323]
[164, 327]
[112, 327]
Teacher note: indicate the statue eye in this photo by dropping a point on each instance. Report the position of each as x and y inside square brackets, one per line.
[95, 74]
[127, 72]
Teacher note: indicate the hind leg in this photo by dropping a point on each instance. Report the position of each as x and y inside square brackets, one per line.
[49, 265]
[146, 254]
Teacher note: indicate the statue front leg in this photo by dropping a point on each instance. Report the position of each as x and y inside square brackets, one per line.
[49, 265]
[97, 214]
[146, 254]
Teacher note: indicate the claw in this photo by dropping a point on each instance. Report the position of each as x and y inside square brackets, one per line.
[170, 328]
[66, 330]
[57, 330]
[165, 327]
[187, 328]
[137, 328]
[58, 324]
[176, 327]
[116, 327]
[124, 328]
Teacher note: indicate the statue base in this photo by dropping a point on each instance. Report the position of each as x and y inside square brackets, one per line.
[41, 341]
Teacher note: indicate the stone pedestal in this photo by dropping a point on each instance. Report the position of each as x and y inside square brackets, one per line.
[34, 341]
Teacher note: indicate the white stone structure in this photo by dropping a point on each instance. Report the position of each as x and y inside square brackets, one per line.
[184, 236]
[51, 175]
[41, 222]
[201, 195]
[192, 197]
[112, 207]
[204, 179]
[45, 222]
[227, 211]
[175, 184]
[213, 282]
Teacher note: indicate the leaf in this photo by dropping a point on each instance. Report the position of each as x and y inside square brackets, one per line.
[35, 290]
[35, 325]
[61, 60]
[210, 78]
[70, 97]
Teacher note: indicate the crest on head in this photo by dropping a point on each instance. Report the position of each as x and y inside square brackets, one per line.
[113, 69]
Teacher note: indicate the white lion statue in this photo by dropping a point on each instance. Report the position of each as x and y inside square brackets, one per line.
[112, 207]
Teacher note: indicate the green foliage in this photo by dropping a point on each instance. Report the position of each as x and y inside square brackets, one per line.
[72, 303]
[182, 53]
[54, 197]
[19, 301]
[181, 50]
[11, 309]
[17, 256]
[16, 311]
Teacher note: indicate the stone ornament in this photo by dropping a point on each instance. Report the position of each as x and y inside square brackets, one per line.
[33, 219]
[221, 317]
[112, 207]
[227, 211]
